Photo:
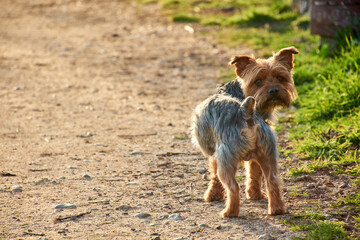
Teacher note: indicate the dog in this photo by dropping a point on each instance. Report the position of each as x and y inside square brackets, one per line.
[234, 126]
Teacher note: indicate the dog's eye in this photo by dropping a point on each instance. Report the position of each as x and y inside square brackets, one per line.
[280, 78]
[258, 82]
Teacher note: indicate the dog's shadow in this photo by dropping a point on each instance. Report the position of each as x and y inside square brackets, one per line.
[253, 219]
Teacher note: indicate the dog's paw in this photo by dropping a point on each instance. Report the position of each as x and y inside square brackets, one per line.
[229, 213]
[277, 210]
[214, 194]
[214, 197]
[252, 195]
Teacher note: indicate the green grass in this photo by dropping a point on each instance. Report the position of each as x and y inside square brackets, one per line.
[184, 18]
[323, 230]
[326, 131]
[324, 128]
[315, 225]
[298, 171]
[183, 137]
[297, 193]
[265, 25]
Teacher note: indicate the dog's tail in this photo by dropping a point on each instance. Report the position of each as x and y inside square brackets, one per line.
[249, 105]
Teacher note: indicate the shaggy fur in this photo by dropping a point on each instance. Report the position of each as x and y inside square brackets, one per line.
[229, 129]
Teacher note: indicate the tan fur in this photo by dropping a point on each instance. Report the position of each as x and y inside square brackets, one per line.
[254, 181]
[251, 133]
[267, 70]
[228, 180]
[215, 191]
[270, 82]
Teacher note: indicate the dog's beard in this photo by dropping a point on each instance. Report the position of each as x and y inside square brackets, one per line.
[266, 102]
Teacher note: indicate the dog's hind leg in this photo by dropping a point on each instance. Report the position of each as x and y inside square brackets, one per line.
[270, 171]
[226, 172]
[253, 181]
[215, 191]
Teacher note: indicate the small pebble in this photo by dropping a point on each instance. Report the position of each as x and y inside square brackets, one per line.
[16, 189]
[124, 207]
[89, 134]
[42, 181]
[163, 216]
[87, 177]
[203, 170]
[266, 236]
[189, 29]
[176, 217]
[223, 226]
[65, 206]
[131, 183]
[142, 215]
[55, 183]
[203, 225]
[72, 167]
[136, 153]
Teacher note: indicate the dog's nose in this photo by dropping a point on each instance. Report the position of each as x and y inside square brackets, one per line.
[273, 91]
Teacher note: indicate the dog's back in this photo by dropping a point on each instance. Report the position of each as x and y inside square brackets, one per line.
[221, 120]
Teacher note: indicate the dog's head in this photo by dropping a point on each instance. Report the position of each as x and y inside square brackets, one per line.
[269, 81]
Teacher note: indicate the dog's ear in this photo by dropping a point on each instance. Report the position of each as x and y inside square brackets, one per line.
[286, 56]
[241, 62]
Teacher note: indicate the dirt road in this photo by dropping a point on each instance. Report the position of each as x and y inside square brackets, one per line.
[96, 99]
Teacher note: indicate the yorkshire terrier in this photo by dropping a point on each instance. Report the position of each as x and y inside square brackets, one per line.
[233, 126]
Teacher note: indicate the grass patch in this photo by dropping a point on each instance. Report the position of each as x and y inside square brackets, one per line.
[326, 126]
[323, 230]
[296, 172]
[297, 193]
[240, 178]
[184, 18]
[351, 203]
[265, 25]
[182, 137]
[315, 225]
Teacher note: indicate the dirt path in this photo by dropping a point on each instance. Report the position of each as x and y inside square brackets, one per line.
[96, 99]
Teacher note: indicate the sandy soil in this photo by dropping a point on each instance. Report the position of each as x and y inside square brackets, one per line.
[96, 99]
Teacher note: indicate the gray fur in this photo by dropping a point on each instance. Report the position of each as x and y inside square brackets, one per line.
[220, 125]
